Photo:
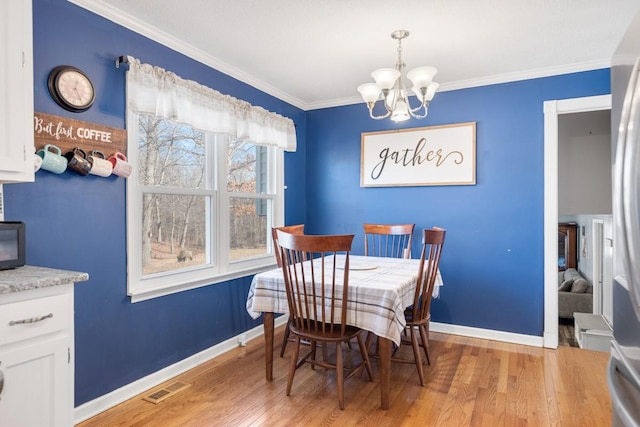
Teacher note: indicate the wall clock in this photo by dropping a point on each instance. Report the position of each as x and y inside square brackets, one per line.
[71, 88]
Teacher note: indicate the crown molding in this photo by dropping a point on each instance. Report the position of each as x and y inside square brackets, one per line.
[484, 81]
[102, 8]
[527, 75]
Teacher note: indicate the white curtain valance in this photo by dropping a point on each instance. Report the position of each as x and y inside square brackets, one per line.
[153, 90]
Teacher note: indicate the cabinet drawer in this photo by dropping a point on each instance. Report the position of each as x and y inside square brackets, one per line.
[28, 319]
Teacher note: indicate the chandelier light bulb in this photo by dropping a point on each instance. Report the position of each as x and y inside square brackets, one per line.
[385, 77]
[401, 112]
[422, 76]
[370, 92]
[431, 90]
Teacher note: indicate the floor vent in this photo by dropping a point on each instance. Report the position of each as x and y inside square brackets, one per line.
[165, 392]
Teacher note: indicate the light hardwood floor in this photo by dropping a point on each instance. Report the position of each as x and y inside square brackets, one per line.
[471, 382]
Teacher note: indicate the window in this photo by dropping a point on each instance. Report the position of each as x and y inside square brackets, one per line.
[200, 209]
[200, 204]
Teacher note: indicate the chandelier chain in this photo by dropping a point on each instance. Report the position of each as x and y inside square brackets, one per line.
[400, 63]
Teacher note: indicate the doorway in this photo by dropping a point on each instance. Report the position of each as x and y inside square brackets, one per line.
[552, 109]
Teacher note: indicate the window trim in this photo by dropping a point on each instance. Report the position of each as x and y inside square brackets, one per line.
[141, 288]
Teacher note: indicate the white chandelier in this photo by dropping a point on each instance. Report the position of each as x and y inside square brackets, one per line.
[390, 84]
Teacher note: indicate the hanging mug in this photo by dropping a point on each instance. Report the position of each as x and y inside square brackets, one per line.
[78, 162]
[99, 165]
[121, 166]
[37, 163]
[52, 159]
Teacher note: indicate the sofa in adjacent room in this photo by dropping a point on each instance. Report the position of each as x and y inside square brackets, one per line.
[575, 294]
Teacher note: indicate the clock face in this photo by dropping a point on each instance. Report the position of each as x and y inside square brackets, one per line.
[71, 88]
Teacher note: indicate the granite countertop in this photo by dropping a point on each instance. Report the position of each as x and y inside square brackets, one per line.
[29, 277]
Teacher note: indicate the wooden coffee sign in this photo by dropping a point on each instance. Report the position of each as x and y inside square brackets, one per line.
[68, 133]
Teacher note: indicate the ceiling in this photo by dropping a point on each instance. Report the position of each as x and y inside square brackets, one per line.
[314, 54]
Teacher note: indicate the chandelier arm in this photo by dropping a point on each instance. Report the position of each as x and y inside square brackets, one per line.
[413, 111]
[424, 105]
[384, 116]
[380, 117]
[391, 106]
[419, 116]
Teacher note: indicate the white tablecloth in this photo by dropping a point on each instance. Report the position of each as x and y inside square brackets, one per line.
[379, 291]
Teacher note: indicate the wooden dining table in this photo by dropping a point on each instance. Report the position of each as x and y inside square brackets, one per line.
[379, 291]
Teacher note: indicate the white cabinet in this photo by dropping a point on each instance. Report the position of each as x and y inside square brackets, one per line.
[16, 87]
[36, 357]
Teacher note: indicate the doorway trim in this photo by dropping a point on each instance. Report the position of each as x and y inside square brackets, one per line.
[597, 267]
[552, 109]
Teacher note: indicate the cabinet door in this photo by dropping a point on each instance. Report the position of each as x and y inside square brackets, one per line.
[16, 87]
[36, 384]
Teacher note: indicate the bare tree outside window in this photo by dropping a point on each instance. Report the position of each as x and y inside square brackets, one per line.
[247, 216]
[172, 171]
[174, 232]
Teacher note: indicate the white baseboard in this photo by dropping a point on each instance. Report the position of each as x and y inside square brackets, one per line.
[487, 334]
[102, 403]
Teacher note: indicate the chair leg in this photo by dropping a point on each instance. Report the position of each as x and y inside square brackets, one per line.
[293, 363]
[313, 353]
[340, 375]
[364, 350]
[369, 340]
[416, 354]
[424, 335]
[285, 339]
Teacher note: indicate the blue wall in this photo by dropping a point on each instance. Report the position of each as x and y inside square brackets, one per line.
[78, 223]
[492, 264]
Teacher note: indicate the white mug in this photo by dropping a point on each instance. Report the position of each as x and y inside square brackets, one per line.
[99, 165]
[37, 163]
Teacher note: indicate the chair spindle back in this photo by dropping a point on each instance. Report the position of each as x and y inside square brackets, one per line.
[432, 243]
[388, 240]
[316, 275]
[292, 229]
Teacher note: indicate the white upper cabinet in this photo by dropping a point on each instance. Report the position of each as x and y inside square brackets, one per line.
[16, 91]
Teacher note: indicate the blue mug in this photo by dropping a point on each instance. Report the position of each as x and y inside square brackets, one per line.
[52, 159]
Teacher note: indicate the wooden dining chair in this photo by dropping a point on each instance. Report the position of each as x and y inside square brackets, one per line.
[418, 315]
[292, 229]
[316, 276]
[388, 240]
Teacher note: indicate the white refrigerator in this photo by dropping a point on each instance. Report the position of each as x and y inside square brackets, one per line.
[624, 364]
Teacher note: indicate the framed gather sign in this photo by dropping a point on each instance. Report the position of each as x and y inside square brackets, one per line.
[434, 155]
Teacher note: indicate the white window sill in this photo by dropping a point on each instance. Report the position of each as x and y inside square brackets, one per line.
[142, 294]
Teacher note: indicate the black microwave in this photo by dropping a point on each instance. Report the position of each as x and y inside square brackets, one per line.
[12, 244]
